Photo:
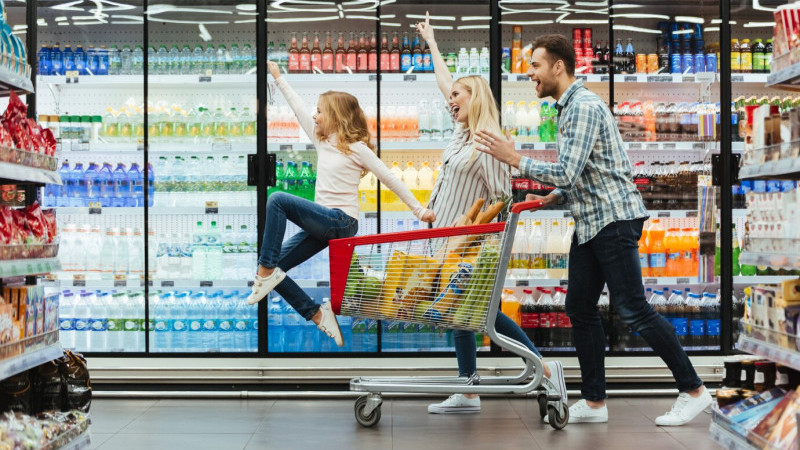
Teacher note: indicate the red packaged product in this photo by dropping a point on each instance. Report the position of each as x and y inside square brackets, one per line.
[17, 111]
[21, 138]
[5, 137]
[52, 227]
[36, 223]
[19, 229]
[35, 132]
[50, 142]
[6, 225]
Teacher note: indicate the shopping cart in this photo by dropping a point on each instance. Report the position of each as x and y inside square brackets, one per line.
[450, 278]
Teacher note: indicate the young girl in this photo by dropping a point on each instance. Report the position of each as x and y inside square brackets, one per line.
[340, 135]
[466, 175]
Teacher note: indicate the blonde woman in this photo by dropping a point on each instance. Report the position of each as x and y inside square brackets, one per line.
[468, 174]
[340, 135]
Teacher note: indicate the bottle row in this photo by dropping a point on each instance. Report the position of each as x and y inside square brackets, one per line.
[419, 182]
[541, 254]
[53, 60]
[102, 321]
[362, 55]
[530, 122]
[118, 187]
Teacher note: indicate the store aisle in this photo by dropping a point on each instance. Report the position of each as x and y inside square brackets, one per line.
[329, 424]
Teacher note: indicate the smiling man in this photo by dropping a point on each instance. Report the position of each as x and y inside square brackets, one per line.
[593, 174]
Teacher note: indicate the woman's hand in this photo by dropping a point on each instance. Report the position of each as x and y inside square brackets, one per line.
[426, 30]
[274, 69]
[428, 217]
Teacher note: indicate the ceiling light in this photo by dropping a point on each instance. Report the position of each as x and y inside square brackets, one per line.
[562, 16]
[301, 19]
[387, 2]
[248, 13]
[472, 27]
[279, 4]
[710, 29]
[93, 22]
[41, 22]
[421, 17]
[199, 22]
[125, 22]
[597, 4]
[99, 17]
[125, 16]
[475, 18]
[391, 24]
[245, 21]
[161, 9]
[388, 16]
[640, 16]
[636, 29]
[341, 14]
[246, 7]
[69, 6]
[350, 16]
[61, 19]
[690, 19]
[525, 22]
[676, 33]
[583, 21]
[626, 6]
[758, 24]
[19, 27]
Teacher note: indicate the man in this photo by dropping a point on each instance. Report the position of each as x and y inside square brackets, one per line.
[593, 173]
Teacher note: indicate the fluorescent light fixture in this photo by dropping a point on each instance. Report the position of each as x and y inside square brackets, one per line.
[640, 16]
[690, 19]
[301, 19]
[472, 27]
[583, 21]
[279, 4]
[341, 14]
[676, 33]
[759, 24]
[627, 6]
[41, 22]
[161, 9]
[561, 17]
[388, 16]
[69, 6]
[204, 34]
[525, 22]
[533, 11]
[62, 19]
[100, 17]
[62, 23]
[421, 17]
[245, 21]
[636, 29]
[391, 24]
[19, 27]
[125, 22]
[719, 21]
[757, 5]
[592, 4]
[709, 29]
[387, 2]
[192, 22]
[92, 22]
[246, 7]
[351, 16]
[19, 32]
[124, 16]
[475, 18]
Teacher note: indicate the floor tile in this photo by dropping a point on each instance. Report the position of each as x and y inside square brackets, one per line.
[98, 439]
[221, 419]
[194, 441]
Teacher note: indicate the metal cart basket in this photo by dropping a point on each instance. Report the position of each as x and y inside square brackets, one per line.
[444, 277]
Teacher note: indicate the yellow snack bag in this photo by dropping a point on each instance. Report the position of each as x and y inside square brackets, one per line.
[454, 278]
[409, 280]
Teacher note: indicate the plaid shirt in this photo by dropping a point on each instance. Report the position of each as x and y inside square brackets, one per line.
[593, 172]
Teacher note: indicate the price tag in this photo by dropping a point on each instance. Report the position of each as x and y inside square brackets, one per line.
[250, 283]
[206, 284]
[140, 145]
[664, 214]
[309, 147]
[581, 77]
[550, 146]
[522, 283]
[737, 78]
[72, 76]
[698, 146]
[323, 284]
[79, 280]
[50, 277]
[120, 281]
[373, 77]
[652, 146]
[567, 213]
[409, 78]
[528, 147]
[221, 146]
[604, 78]
[167, 283]
[285, 147]
[95, 208]
[651, 281]
[669, 146]
[659, 79]
[683, 281]
[631, 79]
[371, 215]
[503, 77]
[688, 79]
[142, 281]
[691, 214]
[204, 79]
[634, 146]
[212, 208]
[563, 283]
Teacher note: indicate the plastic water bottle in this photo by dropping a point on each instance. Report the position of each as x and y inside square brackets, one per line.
[92, 61]
[151, 181]
[137, 186]
[98, 321]
[69, 59]
[160, 303]
[235, 67]
[83, 316]
[275, 329]
[114, 61]
[125, 66]
[293, 329]
[180, 327]
[252, 322]
[199, 260]
[66, 318]
[210, 318]
[185, 261]
[185, 61]
[106, 185]
[91, 185]
[196, 67]
[137, 60]
[241, 325]
[209, 59]
[76, 190]
[103, 60]
[173, 61]
[120, 186]
[436, 125]
[424, 120]
[230, 250]
[194, 322]
[60, 194]
[56, 61]
[130, 318]
[114, 323]
[225, 325]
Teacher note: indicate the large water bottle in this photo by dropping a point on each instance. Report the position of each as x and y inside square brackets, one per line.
[43, 56]
[92, 61]
[98, 321]
[107, 252]
[61, 194]
[235, 67]
[159, 304]
[56, 61]
[115, 323]
[91, 185]
[214, 255]
[225, 325]
[83, 315]
[162, 270]
[137, 60]
[197, 60]
[126, 66]
[179, 317]
[437, 126]
[275, 329]
[66, 319]
[209, 60]
[251, 337]
[121, 186]
[173, 61]
[210, 317]
[79, 60]
[293, 329]
[249, 58]
[132, 321]
[137, 184]
[358, 334]
[221, 61]
[185, 268]
[75, 188]
[185, 61]
[106, 185]
[114, 61]
[194, 314]
[122, 257]
[151, 181]
[103, 60]
[69, 59]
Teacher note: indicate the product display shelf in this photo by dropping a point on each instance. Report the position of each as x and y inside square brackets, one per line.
[11, 173]
[773, 345]
[650, 281]
[30, 359]
[704, 77]
[67, 280]
[686, 146]
[775, 260]
[81, 442]
[10, 81]
[561, 214]
[158, 148]
[724, 434]
[20, 267]
[159, 210]
[786, 168]
[136, 81]
[788, 78]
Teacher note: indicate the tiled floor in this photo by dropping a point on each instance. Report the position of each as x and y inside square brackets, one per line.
[405, 424]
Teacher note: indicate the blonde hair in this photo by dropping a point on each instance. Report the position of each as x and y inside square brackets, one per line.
[482, 113]
[344, 117]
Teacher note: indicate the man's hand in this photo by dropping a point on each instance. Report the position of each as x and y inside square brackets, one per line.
[548, 200]
[428, 217]
[499, 148]
[274, 69]
[426, 30]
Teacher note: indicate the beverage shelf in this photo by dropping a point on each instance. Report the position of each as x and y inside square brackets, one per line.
[165, 283]
[773, 345]
[723, 434]
[784, 169]
[20, 267]
[648, 78]
[10, 173]
[173, 81]
[558, 214]
[788, 78]
[10, 81]
[651, 282]
[789, 261]
[159, 148]
[28, 360]
[160, 211]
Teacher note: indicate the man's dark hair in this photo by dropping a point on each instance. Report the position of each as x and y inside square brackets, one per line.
[558, 47]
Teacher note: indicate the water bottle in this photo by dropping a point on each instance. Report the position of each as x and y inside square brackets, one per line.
[252, 323]
[371, 336]
[235, 60]
[69, 59]
[137, 60]
[197, 60]
[210, 317]
[185, 267]
[199, 253]
[43, 56]
[230, 251]
[137, 187]
[173, 61]
[102, 60]
[180, 327]
[91, 185]
[436, 124]
[133, 321]
[66, 319]
[92, 61]
[83, 316]
[159, 304]
[56, 61]
[225, 324]
[125, 61]
[209, 60]
[61, 194]
[241, 325]
[293, 326]
[98, 321]
[114, 61]
[275, 329]
[106, 185]
[185, 59]
[115, 325]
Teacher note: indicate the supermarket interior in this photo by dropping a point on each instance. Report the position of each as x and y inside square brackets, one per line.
[142, 141]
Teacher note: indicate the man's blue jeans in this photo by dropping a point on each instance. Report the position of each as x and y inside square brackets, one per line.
[612, 258]
[318, 224]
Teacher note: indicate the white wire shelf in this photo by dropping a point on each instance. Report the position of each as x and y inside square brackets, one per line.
[28, 360]
[175, 284]
[10, 81]
[173, 81]
[158, 148]
[534, 146]
[788, 78]
[20, 267]
[789, 261]
[160, 211]
[650, 282]
[786, 168]
[705, 77]
[28, 174]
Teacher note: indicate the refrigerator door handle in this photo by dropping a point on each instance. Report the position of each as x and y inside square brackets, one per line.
[253, 170]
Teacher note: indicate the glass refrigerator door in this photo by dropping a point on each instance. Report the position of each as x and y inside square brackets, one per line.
[339, 55]
[416, 125]
[201, 126]
[90, 93]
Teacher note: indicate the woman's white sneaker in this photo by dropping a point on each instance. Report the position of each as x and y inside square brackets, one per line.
[581, 412]
[264, 285]
[456, 404]
[329, 325]
[685, 409]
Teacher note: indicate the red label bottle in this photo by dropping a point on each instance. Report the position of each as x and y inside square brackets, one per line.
[294, 56]
[327, 55]
[394, 57]
[372, 58]
[305, 55]
[316, 55]
[352, 55]
[362, 64]
[340, 54]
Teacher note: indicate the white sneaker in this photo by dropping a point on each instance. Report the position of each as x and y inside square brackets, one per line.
[581, 412]
[685, 409]
[557, 378]
[329, 325]
[264, 285]
[456, 404]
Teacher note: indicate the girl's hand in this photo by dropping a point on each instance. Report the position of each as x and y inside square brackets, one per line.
[428, 217]
[425, 29]
[274, 70]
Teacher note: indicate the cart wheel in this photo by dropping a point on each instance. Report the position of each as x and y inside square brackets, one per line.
[556, 420]
[366, 420]
[542, 405]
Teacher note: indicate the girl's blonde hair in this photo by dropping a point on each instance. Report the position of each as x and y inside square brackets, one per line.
[345, 118]
[482, 113]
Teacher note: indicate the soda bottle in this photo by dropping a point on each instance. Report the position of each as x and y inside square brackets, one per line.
[717, 254]
[672, 247]
[528, 314]
[644, 255]
[655, 245]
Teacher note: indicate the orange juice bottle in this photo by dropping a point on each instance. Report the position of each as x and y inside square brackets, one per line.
[691, 248]
[655, 245]
[644, 255]
[672, 246]
[511, 307]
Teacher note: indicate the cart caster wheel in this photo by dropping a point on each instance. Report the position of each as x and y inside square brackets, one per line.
[556, 420]
[542, 405]
[366, 420]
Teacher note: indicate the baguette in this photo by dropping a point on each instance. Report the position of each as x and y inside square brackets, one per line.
[490, 213]
[473, 211]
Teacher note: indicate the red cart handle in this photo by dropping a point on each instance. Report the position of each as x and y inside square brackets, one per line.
[517, 208]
